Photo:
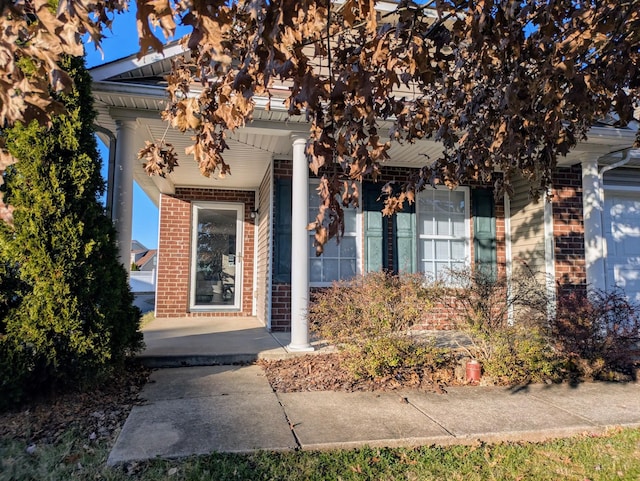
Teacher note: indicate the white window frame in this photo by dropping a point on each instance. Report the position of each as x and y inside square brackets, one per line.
[313, 185]
[467, 231]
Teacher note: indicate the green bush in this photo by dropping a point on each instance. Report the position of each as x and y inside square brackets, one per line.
[369, 318]
[520, 354]
[385, 355]
[67, 313]
[505, 323]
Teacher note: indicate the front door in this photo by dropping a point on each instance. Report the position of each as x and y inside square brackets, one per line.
[216, 256]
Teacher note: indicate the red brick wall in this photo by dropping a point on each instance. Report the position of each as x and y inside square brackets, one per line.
[568, 229]
[174, 251]
[281, 307]
[172, 289]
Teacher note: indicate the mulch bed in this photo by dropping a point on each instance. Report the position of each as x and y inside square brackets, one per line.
[97, 412]
[326, 372]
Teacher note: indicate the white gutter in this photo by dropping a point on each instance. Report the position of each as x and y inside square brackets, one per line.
[626, 157]
[131, 89]
[276, 104]
[549, 256]
[610, 133]
[256, 225]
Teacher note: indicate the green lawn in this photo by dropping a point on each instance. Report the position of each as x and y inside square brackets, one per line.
[613, 456]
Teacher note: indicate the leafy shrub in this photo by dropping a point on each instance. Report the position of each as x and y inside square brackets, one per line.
[386, 355]
[368, 317]
[519, 354]
[506, 323]
[367, 306]
[597, 333]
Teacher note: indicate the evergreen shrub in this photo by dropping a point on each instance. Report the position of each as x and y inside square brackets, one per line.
[72, 319]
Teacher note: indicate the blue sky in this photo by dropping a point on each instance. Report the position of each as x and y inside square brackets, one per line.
[119, 43]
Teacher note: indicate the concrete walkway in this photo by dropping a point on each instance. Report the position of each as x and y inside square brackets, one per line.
[202, 341]
[232, 408]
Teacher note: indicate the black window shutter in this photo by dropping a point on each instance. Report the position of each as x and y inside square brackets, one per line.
[282, 232]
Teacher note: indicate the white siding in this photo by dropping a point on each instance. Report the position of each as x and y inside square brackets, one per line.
[264, 252]
[527, 231]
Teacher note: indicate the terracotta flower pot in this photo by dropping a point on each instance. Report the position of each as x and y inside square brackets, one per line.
[473, 372]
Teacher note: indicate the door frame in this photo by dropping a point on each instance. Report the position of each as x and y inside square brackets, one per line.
[238, 208]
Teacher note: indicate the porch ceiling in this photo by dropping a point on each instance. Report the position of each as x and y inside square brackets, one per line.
[249, 156]
[250, 149]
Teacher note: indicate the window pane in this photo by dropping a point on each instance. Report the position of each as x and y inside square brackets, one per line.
[330, 271]
[447, 206]
[457, 250]
[442, 270]
[314, 198]
[425, 201]
[441, 202]
[347, 269]
[330, 249]
[429, 270]
[350, 221]
[457, 266]
[348, 247]
[457, 202]
[442, 250]
[315, 270]
[426, 249]
[443, 226]
[426, 225]
[458, 226]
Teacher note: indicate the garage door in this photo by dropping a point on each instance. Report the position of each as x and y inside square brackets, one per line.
[622, 228]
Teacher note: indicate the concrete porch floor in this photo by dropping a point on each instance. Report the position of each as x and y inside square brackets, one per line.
[201, 341]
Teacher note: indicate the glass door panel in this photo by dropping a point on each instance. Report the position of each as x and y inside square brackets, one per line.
[216, 282]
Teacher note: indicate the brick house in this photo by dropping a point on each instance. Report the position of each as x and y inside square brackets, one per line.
[238, 246]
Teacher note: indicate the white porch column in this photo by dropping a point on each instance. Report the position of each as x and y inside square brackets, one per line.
[123, 187]
[592, 208]
[299, 248]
